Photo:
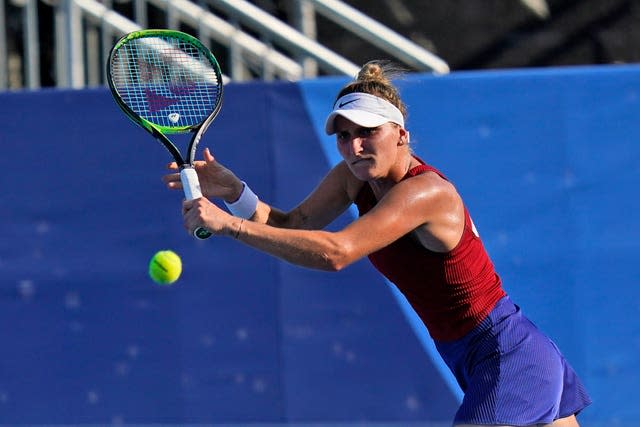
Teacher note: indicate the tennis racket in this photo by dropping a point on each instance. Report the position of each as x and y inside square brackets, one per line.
[168, 82]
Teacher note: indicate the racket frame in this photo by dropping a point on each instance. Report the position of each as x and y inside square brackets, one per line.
[158, 131]
[188, 177]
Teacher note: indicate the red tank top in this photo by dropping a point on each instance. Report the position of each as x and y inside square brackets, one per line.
[451, 292]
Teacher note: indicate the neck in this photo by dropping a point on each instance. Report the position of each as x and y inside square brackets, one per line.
[380, 186]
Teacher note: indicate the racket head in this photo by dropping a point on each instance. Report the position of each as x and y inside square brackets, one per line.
[166, 81]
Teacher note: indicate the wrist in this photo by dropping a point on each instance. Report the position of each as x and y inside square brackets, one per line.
[236, 192]
[245, 205]
[236, 234]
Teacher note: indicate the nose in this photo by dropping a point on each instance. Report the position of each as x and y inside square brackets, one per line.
[354, 145]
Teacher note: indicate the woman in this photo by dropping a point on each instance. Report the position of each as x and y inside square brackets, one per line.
[424, 242]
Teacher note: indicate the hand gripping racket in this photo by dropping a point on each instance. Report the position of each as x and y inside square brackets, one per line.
[168, 82]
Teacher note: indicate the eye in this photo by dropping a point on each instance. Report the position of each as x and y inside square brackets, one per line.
[365, 132]
[342, 136]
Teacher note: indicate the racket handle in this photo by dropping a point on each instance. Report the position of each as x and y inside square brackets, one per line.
[191, 186]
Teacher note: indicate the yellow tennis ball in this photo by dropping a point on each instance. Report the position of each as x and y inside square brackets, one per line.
[165, 267]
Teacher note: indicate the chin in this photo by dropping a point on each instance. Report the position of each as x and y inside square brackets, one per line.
[364, 170]
[363, 175]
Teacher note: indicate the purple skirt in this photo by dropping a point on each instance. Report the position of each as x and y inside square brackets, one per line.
[511, 373]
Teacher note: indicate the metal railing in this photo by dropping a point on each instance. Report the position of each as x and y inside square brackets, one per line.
[255, 44]
[379, 35]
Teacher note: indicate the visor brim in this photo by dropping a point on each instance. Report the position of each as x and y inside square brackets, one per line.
[359, 117]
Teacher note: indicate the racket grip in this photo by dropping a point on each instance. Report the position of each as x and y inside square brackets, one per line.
[191, 186]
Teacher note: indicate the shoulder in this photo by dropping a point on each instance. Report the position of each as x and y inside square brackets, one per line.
[428, 194]
[429, 185]
[437, 207]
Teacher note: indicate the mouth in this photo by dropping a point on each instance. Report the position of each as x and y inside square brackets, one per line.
[360, 160]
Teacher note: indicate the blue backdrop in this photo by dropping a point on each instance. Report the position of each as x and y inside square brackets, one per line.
[548, 163]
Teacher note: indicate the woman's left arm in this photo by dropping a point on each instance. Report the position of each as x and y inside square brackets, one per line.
[418, 201]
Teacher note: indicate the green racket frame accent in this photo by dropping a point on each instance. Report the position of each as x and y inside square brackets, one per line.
[163, 33]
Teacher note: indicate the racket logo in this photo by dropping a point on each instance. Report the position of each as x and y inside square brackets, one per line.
[157, 101]
[174, 117]
[182, 90]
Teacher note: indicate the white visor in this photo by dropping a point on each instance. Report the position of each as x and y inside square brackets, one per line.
[365, 110]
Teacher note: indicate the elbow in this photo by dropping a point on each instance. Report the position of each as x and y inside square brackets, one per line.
[329, 252]
[333, 266]
[337, 259]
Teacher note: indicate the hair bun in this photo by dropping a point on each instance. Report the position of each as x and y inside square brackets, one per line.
[376, 70]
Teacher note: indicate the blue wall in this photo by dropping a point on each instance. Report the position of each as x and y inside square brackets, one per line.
[547, 161]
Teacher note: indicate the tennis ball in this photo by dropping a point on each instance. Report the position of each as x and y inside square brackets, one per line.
[165, 267]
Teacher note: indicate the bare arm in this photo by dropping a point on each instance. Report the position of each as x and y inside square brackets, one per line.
[425, 203]
[333, 195]
[327, 201]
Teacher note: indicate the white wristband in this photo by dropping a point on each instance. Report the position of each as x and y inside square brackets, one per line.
[246, 204]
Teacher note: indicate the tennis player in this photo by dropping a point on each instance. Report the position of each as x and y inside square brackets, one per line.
[415, 229]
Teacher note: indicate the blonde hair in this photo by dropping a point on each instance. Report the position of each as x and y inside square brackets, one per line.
[375, 78]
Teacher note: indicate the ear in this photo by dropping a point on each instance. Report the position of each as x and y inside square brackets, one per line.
[404, 137]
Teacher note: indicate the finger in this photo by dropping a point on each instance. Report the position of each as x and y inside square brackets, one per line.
[187, 205]
[172, 181]
[170, 177]
[175, 185]
[172, 165]
[207, 156]
[191, 219]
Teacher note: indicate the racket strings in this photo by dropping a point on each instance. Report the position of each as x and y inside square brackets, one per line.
[167, 81]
